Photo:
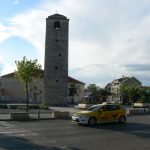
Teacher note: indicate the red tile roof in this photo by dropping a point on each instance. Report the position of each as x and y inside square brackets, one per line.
[70, 79]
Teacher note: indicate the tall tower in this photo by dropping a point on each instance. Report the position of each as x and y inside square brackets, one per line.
[56, 60]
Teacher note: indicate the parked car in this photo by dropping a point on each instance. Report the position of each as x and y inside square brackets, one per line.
[100, 113]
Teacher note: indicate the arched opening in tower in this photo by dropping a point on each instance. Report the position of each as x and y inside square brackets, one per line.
[56, 25]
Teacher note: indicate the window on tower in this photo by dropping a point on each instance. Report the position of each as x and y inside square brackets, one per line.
[56, 25]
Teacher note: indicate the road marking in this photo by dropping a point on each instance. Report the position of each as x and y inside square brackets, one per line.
[147, 132]
[6, 124]
[10, 129]
[9, 132]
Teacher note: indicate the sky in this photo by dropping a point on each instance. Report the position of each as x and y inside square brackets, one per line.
[108, 39]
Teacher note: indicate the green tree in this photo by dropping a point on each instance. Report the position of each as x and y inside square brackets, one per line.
[92, 87]
[26, 71]
[72, 92]
[97, 94]
[104, 92]
[145, 96]
[124, 93]
[135, 93]
[130, 93]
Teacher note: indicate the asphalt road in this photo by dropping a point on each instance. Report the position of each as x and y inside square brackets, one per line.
[65, 135]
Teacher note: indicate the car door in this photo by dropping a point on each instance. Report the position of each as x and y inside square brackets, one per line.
[104, 114]
[115, 112]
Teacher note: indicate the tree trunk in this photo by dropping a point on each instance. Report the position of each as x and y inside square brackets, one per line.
[27, 95]
[72, 99]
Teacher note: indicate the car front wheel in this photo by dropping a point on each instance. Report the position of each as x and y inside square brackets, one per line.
[122, 119]
[92, 121]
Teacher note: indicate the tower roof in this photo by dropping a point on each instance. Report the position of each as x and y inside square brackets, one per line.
[57, 16]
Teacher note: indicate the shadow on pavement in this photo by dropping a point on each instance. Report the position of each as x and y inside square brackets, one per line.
[138, 129]
[68, 148]
[18, 143]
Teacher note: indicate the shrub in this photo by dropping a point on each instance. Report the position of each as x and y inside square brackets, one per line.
[34, 107]
[3, 106]
[43, 106]
[24, 107]
[13, 106]
[85, 101]
[21, 107]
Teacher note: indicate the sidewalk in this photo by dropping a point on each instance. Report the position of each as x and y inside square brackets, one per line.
[36, 113]
[48, 114]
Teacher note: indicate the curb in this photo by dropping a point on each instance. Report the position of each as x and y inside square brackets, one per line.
[30, 119]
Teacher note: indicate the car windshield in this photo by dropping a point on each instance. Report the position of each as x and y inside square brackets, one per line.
[94, 108]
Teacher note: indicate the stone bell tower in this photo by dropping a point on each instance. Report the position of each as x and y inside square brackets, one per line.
[56, 60]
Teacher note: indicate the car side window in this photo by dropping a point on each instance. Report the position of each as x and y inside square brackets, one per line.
[109, 108]
[113, 107]
[116, 107]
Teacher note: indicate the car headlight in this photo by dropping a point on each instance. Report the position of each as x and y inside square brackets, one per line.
[75, 115]
[79, 116]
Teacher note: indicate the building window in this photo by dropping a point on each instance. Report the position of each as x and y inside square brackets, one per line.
[59, 54]
[56, 25]
[35, 96]
[35, 87]
[40, 92]
[56, 67]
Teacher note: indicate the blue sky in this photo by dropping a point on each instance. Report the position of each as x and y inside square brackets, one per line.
[9, 8]
[107, 38]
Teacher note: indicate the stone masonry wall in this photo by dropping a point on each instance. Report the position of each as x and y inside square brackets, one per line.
[56, 62]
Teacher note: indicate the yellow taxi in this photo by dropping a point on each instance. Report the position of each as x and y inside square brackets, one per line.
[100, 113]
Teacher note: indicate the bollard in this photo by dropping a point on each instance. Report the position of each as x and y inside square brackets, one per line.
[38, 114]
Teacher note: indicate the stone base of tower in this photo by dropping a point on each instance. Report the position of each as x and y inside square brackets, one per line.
[55, 94]
[52, 98]
[54, 102]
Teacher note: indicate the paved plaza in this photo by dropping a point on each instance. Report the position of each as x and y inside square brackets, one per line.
[65, 135]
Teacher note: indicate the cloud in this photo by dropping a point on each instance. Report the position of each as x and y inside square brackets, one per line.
[112, 34]
[31, 27]
[5, 67]
[141, 71]
[16, 2]
[138, 67]
[1, 65]
[102, 74]
[1, 68]
[5, 32]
